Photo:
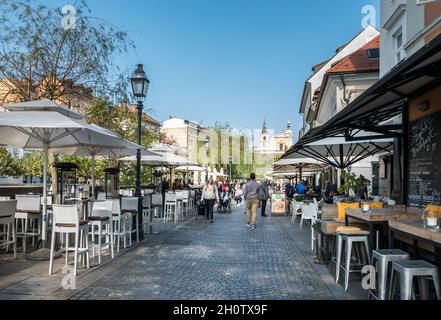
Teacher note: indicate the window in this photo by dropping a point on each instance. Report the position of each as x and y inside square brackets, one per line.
[281, 147]
[373, 53]
[399, 51]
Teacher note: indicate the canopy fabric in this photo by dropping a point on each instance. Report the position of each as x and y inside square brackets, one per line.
[28, 130]
[339, 153]
[298, 165]
[43, 105]
[190, 168]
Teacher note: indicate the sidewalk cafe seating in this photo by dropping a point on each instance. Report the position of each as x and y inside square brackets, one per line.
[352, 242]
[172, 207]
[130, 205]
[28, 216]
[7, 222]
[67, 221]
[157, 205]
[342, 206]
[122, 225]
[100, 220]
[296, 209]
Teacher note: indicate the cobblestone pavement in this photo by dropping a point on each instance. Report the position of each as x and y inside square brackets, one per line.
[223, 260]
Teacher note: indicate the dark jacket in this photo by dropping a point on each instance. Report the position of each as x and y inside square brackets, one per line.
[264, 191]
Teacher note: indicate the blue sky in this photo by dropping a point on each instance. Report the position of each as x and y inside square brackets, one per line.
[234, 61]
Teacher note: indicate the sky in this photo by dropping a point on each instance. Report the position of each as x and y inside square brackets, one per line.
[233, 61]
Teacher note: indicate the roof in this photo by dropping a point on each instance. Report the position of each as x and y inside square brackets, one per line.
[386, 99]
[358, 61]
[146, 117]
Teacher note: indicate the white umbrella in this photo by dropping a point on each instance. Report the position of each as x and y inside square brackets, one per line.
[191, 168]
[47, 130]
[127, 148]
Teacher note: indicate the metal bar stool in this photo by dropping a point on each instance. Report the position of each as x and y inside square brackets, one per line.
[381, 259]
[349, 241]
[407, 271]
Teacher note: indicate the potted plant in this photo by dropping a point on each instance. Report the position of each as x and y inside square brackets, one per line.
[350, 184]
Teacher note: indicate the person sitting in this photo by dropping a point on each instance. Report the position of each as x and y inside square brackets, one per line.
[300, 188]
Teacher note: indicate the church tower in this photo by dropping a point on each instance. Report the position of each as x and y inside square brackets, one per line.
[264, 143]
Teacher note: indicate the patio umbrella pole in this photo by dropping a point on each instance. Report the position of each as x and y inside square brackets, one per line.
[43, 254]
[93, 175]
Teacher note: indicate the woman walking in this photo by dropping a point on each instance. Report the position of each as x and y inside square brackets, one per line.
[210, 196]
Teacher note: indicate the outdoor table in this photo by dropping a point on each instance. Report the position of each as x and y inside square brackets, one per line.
[378, 218]
[416, 231]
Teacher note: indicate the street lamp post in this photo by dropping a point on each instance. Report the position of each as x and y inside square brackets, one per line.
[230, 158]
[140, 84]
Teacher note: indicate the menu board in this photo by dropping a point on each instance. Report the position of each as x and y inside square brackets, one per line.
[278, 203]
[424, 185]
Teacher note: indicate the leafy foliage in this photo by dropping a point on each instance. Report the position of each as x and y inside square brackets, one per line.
[10, 163]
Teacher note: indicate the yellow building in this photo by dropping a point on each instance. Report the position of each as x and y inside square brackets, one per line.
[275, 144]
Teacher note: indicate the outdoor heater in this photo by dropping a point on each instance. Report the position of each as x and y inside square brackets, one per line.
[67, 180]
[140, 85]
[111, 182]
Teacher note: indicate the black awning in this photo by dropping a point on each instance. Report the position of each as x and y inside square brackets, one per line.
[386, 99]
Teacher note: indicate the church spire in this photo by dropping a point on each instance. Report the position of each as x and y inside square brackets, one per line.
[264, 130]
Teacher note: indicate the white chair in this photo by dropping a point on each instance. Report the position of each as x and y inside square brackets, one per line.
[171, 207]
[121, 225]
[67, 221]
[5, 198]
[101, 219]
[296, 209]
[7, 211]
[157, 205]
[184, 197]
[28, 213]
[130, 205]
[308, 212]
[146, 211]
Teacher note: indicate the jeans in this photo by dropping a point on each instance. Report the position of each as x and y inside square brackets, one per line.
[209, 205]
[263, 209]
[252, 210]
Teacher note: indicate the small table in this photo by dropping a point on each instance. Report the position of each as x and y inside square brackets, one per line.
[377, 218]
[416, 231]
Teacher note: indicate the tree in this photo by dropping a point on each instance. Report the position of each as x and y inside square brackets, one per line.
[39, 58]
[32, 164]
[10, 163]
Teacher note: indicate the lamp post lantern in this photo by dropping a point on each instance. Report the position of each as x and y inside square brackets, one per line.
[140, 85]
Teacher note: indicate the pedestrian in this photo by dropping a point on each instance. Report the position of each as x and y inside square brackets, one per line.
[243, 190]
[300, 188]
[251, 196]
[210, 196]
[264, 196]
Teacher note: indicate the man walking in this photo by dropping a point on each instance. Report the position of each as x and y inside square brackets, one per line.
[264, 196]
[251, 196]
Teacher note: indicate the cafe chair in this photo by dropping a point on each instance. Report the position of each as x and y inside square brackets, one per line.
[407, 270]
[146, 211]
[66, 221]
[192, 201]
[309, 213]
[100, 220]
[350, 239]
[157, 205]
[28, 217]
[7, 211]
[130, 205]
[5, 198]
[296, 210]
[382, 260]
[183, 196]
[101, 196]
[121, 224]
[171, 207]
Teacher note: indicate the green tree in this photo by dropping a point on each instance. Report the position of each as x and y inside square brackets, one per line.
[10, 163]
[32, 164]
[38, 57]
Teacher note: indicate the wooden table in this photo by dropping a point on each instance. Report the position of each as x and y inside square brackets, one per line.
[377, 218]
[416, 231]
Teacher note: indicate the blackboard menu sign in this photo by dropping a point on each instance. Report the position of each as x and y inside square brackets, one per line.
[425, 161]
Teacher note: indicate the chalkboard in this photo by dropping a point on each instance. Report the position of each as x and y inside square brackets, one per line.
[425, 161]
